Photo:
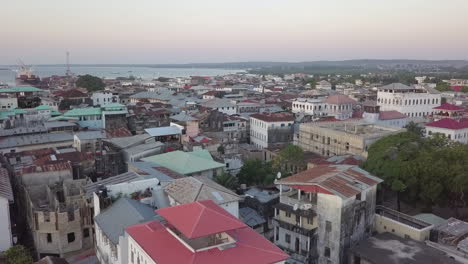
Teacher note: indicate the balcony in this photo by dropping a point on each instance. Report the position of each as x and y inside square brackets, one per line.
[305, 201]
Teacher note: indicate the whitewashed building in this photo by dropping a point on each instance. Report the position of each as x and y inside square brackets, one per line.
[267, 130]
[413, 102]
[338, 105]
[456, 130]
[104, 98]
[6, 197]
[323, 85]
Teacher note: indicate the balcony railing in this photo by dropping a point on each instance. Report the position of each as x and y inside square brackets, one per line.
[291, 199]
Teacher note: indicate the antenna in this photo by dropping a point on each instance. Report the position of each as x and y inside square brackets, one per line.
[68, 72]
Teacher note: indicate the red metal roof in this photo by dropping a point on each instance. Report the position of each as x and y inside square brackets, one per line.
[344, 180]
[450, 123]
[164, 248]
[449, 107]
[201, 218]
[339, 99]
[390, 115]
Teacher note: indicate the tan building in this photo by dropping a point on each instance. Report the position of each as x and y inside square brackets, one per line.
[60, 221]
[340, 138]
[400, 224]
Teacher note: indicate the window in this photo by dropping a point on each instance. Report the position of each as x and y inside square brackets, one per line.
[298, 218]
[49, 238]
[71, 237]
[277, 233]
[328, 226]
[288, 214]
[407, 236]
[86, 232]
[310, 221]
[358, 196]
[327, 252]
[393, 230]
[132, 256]
[287, 238]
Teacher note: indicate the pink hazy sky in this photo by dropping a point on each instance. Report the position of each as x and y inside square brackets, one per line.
[184, 31]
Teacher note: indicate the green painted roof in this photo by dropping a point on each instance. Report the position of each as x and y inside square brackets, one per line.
[83, 111]
[19, 111]
[55, 113]
[43, 107]
[61, 117]
[430, 218]
[185, 162]
[19, 89]
[4, 114]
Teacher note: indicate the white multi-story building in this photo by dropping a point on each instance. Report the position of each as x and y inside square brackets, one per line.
[8, 103]
[413, 102]
[338, 105]
[456, 130]
[267, 130]
[323, 85]
[6, 197]
[104, 98]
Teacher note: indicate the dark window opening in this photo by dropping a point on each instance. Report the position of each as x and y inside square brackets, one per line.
[327, 252]
[71, 237]
[49, 238]
[86, 232]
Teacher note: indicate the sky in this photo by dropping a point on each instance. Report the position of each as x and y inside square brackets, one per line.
[192, 31]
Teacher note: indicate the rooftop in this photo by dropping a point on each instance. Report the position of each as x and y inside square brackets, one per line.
[186, 162]
[125, 212]
[191, 189]
[449, 107]
[21, 89]
[83, 111]
[201, 218]
[387, 248]
[391, 115]
[343, 180]
[152, 170]
[163, 131]
[450, 123]
[339, 99]
[274, 117]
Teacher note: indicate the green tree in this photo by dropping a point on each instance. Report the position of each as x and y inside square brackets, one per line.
[392, 159]
[414, 128]
[443, 87]
[464, 89]
[255, 172]
[91, 83]
[291, 155]
[18, 255]
[226, 180]
[313, 83]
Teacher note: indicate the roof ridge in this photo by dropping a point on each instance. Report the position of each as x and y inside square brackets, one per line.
[198, 218]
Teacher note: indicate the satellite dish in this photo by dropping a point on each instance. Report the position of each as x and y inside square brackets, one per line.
[278, 176]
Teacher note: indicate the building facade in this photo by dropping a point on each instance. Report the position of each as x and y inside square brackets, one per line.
[267, 130]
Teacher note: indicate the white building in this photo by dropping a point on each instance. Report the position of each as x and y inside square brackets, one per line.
[221, 105]
[410, 101]
[456, 130]
[8, 103]
[110, 224]
[269, 129]
[6, 197]
[104, 98]
[323, 85]
[373, 115]
[338, 105]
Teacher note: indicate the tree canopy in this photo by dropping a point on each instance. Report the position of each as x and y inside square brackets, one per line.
[443, 87]
[91, 83]
[291, 155]
[430, 170]
[18, 255]
[255, 172]
[226, 180]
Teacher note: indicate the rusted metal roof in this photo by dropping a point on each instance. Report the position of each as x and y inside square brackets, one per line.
[342, 180]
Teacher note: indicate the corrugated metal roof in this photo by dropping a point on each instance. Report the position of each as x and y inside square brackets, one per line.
[250, 217]
[125, 212]
[342, 180]
[163, 131]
